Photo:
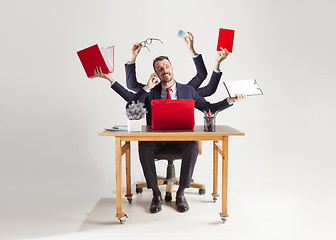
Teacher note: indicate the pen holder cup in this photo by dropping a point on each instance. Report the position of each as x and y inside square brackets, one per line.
[209, 124]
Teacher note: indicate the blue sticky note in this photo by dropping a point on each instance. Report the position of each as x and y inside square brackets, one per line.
[181, 34]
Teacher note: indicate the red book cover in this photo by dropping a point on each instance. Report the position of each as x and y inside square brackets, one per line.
[225, 39]
[94, 56]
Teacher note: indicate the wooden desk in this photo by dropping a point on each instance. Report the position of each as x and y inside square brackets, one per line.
[147, 134]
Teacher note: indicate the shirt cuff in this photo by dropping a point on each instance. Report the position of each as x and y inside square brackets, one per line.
[113, 83]
[130, 62]
[217, 71]
[146, 89]
[196, 55]
[229, 100]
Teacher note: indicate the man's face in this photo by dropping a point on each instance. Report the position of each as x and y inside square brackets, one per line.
[164, 70]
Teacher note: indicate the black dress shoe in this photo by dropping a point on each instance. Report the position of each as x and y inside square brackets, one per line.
[156, 204]
[182, 204]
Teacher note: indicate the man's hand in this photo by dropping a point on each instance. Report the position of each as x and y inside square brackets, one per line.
[190, 43]
[136, 48]
[99, 73]
[238, 97]
[153, 80]
[220, 57]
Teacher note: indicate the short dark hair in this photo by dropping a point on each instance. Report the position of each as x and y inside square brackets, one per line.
[160, 58]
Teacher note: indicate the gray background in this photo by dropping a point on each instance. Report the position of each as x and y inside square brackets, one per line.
[54, 165]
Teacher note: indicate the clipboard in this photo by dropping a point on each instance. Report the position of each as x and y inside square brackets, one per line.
[249, 87]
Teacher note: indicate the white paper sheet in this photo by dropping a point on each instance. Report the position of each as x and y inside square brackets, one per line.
[249, 87]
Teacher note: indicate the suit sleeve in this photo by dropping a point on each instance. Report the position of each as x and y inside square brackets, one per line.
[211, 88]
[201, 104]
[201, 74]
[131, 80]
[141, 96]
[123, 92]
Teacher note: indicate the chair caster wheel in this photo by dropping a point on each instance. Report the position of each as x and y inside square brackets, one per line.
[130, 200]
[214, 199]
[138, 190]
[201, 192]
[168, 198]
[122, 220]
[223, 219]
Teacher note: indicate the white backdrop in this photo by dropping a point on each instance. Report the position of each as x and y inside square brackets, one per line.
[51, 155]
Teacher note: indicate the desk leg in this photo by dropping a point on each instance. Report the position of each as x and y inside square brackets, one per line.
[118, 155]
[128, 172]
[225, 155]
[215, 172]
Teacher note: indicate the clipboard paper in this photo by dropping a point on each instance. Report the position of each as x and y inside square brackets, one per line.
[249, 87]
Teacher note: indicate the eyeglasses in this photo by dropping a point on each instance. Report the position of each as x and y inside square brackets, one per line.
[149, 41]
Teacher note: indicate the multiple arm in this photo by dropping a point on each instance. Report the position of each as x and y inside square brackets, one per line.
[131, 79]
[133, 84]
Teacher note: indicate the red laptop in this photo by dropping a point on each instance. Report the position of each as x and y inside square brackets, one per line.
[173, 114]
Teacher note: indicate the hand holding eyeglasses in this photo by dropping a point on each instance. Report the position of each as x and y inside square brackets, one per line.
[136, 48]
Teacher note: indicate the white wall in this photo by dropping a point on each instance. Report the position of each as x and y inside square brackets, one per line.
[51, 155]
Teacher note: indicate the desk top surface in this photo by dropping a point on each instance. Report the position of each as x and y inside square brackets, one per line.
[198, 131]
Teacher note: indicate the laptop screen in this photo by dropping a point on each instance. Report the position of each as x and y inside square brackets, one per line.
[173, 114]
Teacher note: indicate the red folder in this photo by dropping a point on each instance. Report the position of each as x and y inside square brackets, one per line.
[94, 56]
[225, 39]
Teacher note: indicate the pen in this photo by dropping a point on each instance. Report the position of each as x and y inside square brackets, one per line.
[205, 113]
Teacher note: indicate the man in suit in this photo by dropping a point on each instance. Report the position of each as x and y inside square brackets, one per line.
[169, 88]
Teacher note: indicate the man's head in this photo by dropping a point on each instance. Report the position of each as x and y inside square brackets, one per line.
[164, 69]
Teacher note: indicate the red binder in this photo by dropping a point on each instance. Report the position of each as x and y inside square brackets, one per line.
[94, 56]
[173, 114]
[225, 39]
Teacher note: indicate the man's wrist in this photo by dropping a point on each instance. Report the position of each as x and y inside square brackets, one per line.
[112, 83]
[193, 52]
[109, 78]
[146, 89]
[195, 55]
[230, 101]
[132, 58]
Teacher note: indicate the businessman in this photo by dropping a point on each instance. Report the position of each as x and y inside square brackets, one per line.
[168, 88]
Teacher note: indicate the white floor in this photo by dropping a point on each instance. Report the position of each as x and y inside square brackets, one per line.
[272, 215]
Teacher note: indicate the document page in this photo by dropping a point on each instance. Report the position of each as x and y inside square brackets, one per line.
[249, 87]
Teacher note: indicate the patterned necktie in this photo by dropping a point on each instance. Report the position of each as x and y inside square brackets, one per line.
[168, 93]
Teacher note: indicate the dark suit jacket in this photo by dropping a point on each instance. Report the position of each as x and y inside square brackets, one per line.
[195, 82]
[183, 92]
[123, 92]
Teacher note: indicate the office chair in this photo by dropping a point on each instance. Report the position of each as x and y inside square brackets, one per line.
[170, 180]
